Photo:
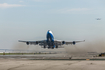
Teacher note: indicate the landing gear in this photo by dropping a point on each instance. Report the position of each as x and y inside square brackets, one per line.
[52, 47]
[48, 47]
[44, 47]
[56, 46]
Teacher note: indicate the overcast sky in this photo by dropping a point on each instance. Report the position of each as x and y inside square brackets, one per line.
[67, 19]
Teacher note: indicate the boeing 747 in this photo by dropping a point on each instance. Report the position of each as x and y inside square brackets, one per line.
[50, 42]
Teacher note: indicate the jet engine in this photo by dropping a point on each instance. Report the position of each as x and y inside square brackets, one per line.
[63, 42]
[27, 43]
[36, 42]
[74, 43]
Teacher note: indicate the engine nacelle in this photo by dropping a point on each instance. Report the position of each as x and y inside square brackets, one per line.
[74, 43]
[36, 42]
[27, 43]
[63, 42]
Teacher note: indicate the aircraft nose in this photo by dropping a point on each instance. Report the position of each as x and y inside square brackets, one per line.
[48, 30]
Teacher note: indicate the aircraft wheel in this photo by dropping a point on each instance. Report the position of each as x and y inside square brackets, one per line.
[48, 47]
[52, 47]
[44, 47]
[56, 46]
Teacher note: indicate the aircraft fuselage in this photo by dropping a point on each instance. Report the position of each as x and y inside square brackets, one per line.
[50, 39]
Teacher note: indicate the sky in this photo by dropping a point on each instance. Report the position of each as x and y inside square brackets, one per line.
[67, 19]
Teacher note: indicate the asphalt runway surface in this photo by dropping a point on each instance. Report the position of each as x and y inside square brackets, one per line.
[52, 57]
[51, 62]
[27, 64]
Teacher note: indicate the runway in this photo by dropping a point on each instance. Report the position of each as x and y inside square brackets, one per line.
[51, 62]
[51, 57]
[26, 64]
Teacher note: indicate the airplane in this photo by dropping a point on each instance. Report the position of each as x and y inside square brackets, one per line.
[50, 42]
[98, 18]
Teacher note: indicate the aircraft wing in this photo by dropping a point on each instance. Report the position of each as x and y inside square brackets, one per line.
[42, 42]
[59, 42]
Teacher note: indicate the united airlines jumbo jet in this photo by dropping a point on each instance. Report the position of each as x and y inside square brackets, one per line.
[50, 43]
